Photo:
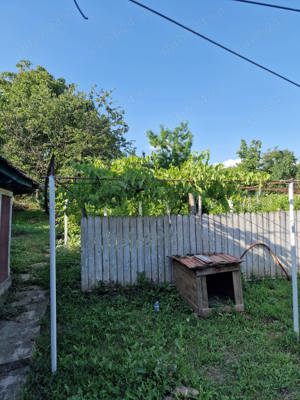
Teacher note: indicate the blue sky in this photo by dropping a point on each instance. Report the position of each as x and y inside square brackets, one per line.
[163, 75]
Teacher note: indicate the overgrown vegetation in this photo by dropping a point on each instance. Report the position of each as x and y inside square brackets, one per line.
[40, 114]
[112, 345]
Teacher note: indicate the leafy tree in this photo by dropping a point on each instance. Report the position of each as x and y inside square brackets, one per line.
[40, 115]
[171, 147]
[250, 155]
[280, 164]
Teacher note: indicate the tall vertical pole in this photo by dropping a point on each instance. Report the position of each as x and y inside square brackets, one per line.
[52, 269]
[294, 260]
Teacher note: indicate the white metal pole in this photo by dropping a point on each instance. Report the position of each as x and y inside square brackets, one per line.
[294, 260]
[52, 274]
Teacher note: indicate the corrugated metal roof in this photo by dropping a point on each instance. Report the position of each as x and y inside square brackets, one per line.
[206, 260]
[15, 180]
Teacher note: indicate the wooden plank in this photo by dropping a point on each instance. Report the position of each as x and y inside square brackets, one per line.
[198, 229]
[260, 251]
[205, 238]
[277, 240]
[255, 232]
[192, 234]
[98, 250]
[161, 249]
[223, 233]
[113, 275]
[120, 257]
[133, 249]
[211, 233]
[242, 241]
[173, 239]
[238, 292]
[126, 250]
[203, 305]
[283, 242]
[167, 249]
[91, 250]
[288, 239]
[249, 261]
[230, 233]
[140, 245]
[268, 232]
[186, 234]
[153, 245]
[84, 256]
[218, 233]
[105, 254]
[180, 235]
[236, 235]
[147, 250]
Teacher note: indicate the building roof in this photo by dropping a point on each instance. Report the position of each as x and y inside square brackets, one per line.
[15, 180]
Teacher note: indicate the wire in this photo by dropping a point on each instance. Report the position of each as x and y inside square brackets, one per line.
[173, 21]
[79, 9]
[258, 3]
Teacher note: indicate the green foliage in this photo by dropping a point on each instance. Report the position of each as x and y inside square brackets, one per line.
[128, 183]
[41, 114]
[171, 147]
[280, 164]
[250, 155]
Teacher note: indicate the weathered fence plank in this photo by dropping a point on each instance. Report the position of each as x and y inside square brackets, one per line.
[167, 248]
[119, 239]
[84, 256]
[140, 245]
[91, 247]
[133, 250]
[98, 250]
[105, 249]
[116, 249]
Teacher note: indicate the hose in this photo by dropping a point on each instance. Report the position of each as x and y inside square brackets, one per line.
[273, 255]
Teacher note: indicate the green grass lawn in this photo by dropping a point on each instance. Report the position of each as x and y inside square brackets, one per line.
[111, 344]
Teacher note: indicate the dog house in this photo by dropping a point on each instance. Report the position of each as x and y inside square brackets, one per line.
[12, 181]
[209, 280]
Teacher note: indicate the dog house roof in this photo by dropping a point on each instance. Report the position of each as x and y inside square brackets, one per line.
[197, 261]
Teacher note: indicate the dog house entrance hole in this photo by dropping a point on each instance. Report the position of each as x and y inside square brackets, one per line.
[220, 288]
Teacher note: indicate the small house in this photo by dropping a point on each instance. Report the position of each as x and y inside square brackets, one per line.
[12, 181]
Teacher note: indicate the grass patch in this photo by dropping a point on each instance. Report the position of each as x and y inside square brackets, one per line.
[111, 344]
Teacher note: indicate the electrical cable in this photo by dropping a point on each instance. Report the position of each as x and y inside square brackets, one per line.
[79, 9]
[235, 53]
[258, 3]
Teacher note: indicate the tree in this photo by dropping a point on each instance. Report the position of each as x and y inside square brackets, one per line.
[40, 115]
[250, 155]
[280, 164]
[171, 147]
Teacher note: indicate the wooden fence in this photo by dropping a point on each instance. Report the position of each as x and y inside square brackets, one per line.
[117, 249]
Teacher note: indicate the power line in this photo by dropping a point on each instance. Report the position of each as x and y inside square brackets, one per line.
[214, 42]
[258, 3]
[79, 9]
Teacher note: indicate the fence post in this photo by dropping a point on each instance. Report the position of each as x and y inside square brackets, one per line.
[199, 205]
[52, 268]
[140, 209]
[294, 260]
[192, 205]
